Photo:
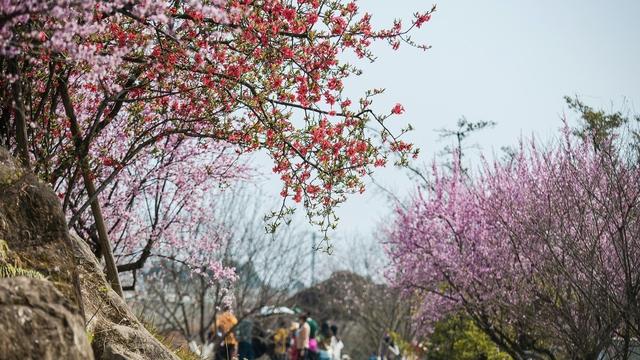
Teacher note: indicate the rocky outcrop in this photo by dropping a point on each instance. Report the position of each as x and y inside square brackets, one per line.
[38, 322]
[118, 334]
[67, 300]
[33, 227]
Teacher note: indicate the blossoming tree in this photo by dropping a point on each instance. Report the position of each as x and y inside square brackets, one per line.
[541, 250]
[91, 88]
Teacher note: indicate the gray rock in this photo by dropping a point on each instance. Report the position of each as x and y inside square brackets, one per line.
[34, 228]
[38, 322]
[118, 333]
[34, 236]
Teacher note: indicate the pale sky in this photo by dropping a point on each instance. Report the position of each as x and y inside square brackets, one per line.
[505, 61]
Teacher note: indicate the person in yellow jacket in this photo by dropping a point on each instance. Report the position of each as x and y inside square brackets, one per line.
[280, 338]
[225, 323]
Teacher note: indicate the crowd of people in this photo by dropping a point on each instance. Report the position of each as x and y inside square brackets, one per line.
[291, 340]
[307, 342]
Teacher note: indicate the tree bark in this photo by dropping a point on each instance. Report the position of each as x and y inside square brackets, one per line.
[103, 237]
[20, 121]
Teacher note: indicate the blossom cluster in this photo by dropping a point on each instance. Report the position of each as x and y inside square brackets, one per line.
[154, 80]
[241, 71]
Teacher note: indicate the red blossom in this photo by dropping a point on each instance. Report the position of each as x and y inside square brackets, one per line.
[397, 109]
[421, 19]
[245, 75]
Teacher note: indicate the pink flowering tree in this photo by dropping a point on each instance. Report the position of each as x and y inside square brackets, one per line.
[265, 269]
[91, 90]
[160, 201]
[540, 250]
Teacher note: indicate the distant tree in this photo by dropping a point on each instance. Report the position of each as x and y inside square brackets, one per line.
[464, 129]
[596, 125]
[453, 153]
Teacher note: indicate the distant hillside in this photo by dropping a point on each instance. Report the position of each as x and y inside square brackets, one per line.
[363, 310]
[326, 300]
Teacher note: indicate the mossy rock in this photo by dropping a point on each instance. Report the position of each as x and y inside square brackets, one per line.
[36, 241]
[33, 227]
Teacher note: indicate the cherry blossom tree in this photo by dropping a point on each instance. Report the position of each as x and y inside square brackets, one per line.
[184, 296]
[162, 201]
[540, 250]
[90, 89]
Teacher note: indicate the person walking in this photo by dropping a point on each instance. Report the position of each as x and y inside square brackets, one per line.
[324, 341]
[335, 345]
[245, 339]
[390, 350]
[293, 334]
[225, 322]
[302, 338]
[280, 341]
[313, 342]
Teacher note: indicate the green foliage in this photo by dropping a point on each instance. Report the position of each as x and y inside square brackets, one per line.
[458, 338]
[8, 177]
[406, 347]
[597, 125]
[8, 270]
[4, 249]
